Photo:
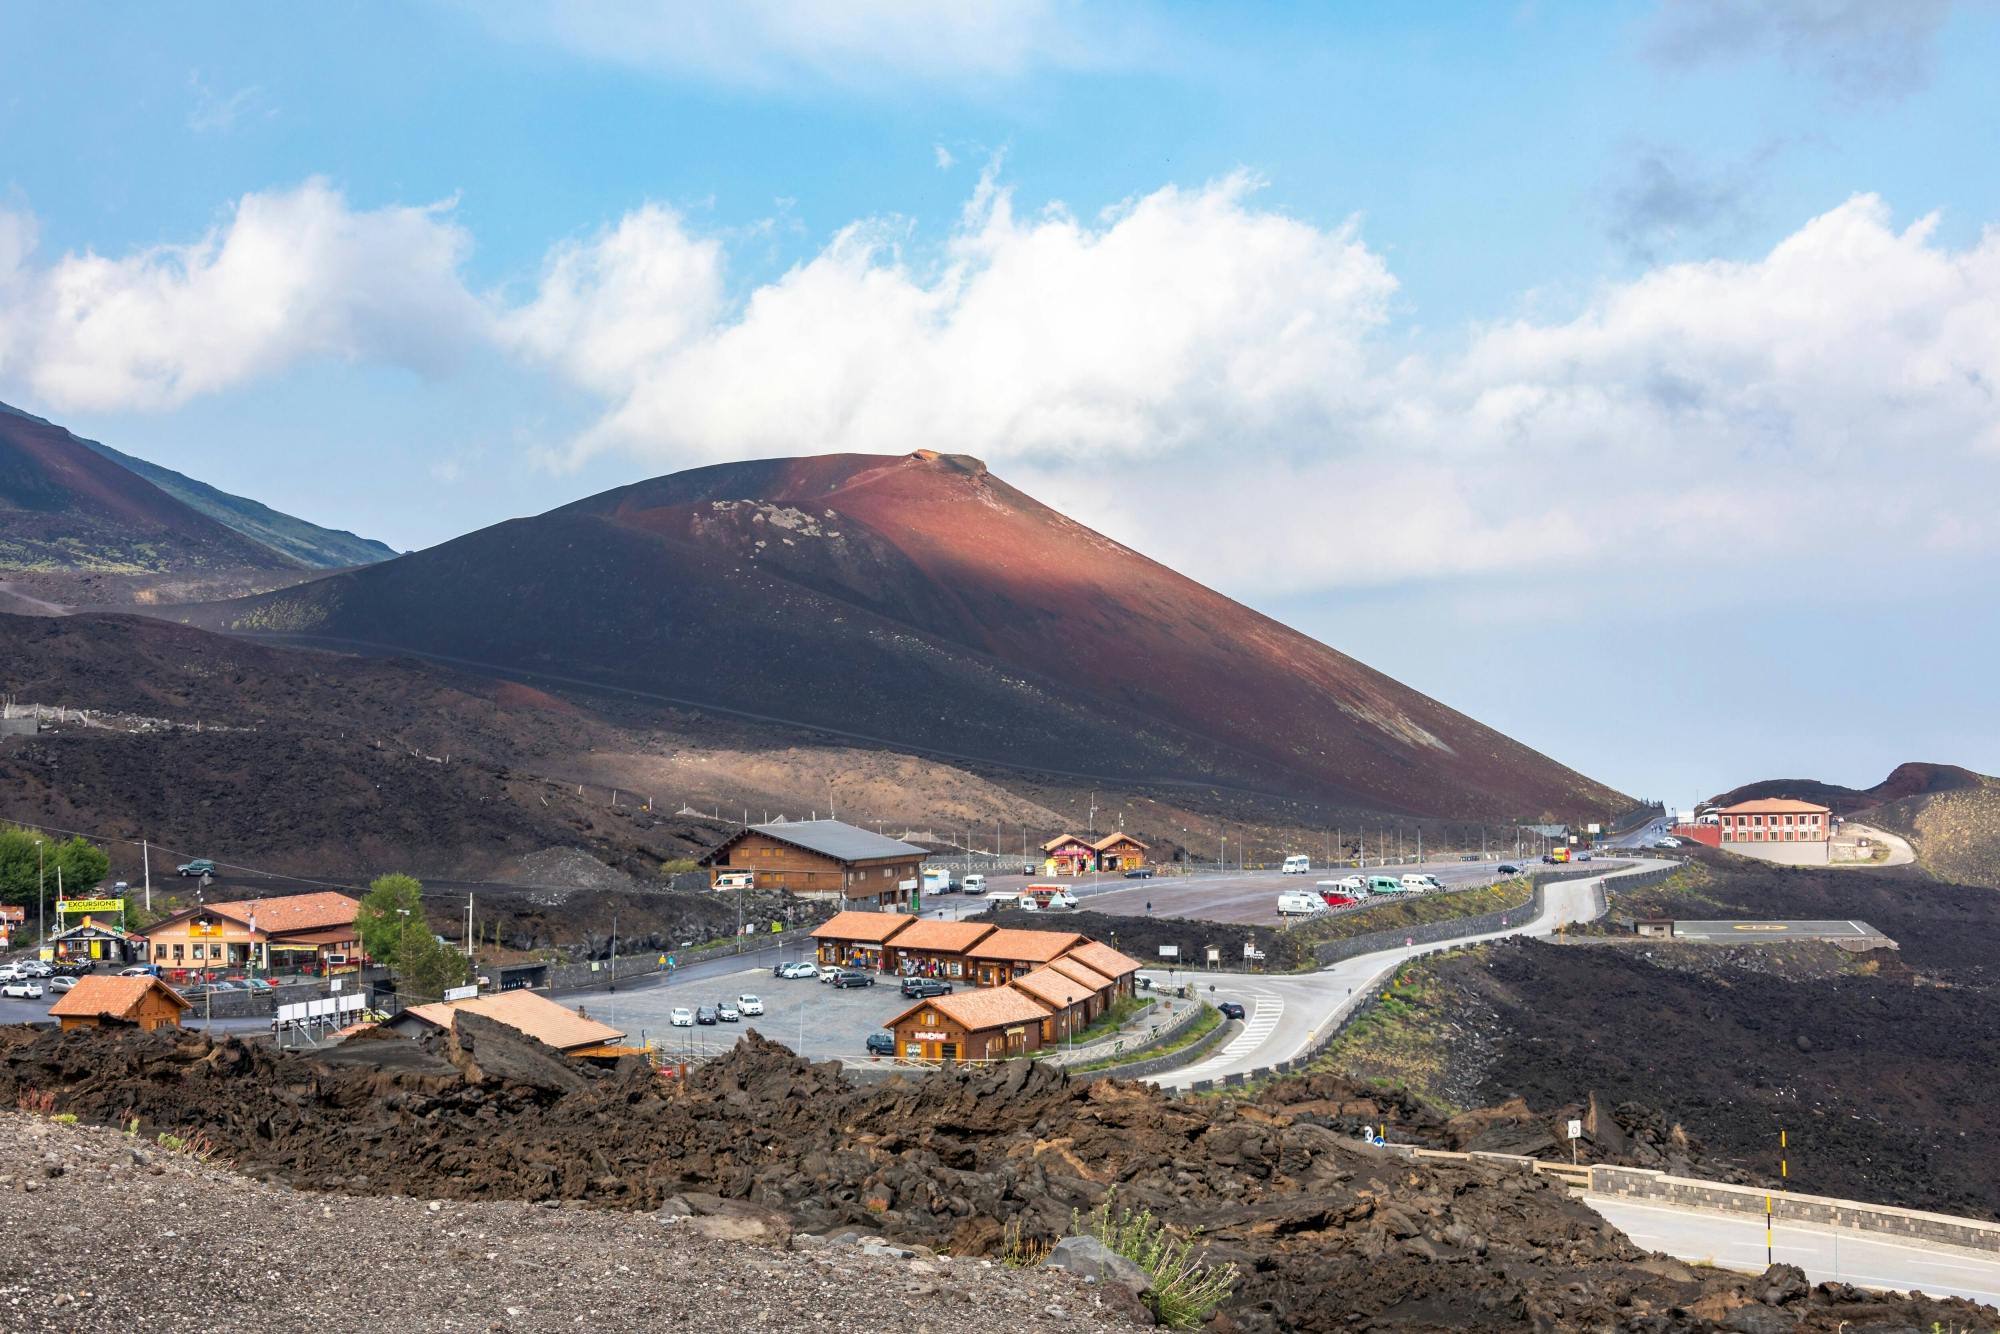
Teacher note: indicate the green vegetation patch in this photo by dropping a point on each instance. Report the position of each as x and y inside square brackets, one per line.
[1415, 910]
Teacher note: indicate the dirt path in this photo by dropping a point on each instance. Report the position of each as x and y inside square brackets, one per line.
[1900, 851]
[14, 600]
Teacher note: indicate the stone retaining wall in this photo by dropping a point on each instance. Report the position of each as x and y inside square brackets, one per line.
[1173, 1060]
[1637, 1183]
[1433, 933]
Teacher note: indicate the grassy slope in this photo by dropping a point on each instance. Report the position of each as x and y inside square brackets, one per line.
[1956, 834]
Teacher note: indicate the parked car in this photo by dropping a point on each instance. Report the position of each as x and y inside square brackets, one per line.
[727, 1012]
[1027, 868]
[917, 988]
[1583, 856]
[881, 1044]
[35, 968]
[1548, 859]
[1507, 868]
[704, 1014]
[199, 866]
[10, 972]
[750, 1005]
[1230, 1010]
[852, 978]
[682, 1017]
[830, 971]
[22, 988]
[140, 970]
[796, 968]
[1140, 873]
[61, 984]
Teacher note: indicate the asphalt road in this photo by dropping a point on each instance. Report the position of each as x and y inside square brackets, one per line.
[1285, 1014]
[1735, 1241]
[1752, 932]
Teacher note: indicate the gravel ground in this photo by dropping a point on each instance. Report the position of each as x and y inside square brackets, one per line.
[110, 1233]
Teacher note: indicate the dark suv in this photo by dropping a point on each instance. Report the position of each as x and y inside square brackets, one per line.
[1230, 1010]
[918, 988]
[881, 1044]
[851, 978]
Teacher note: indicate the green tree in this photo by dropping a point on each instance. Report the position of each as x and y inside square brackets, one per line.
[17, 865]
[426, 967]
[84, 866]
[393, 902]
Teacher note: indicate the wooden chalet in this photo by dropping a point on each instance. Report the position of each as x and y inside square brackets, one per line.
[1119, 852]
[1068, 1001]
[855, 939]
[822, 859]
[1007, 953]
[930, 948]
[99, 1002]
[1121, 969]
[525, 1012]
[1103, 991]
[983, 1025]
[1067, 854]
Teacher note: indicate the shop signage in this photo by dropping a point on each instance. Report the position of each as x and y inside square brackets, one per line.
[67, 906]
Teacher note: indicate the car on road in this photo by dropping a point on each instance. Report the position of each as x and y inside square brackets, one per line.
[727, 1012]
[920, 988]
[1668, 842]
[140, 970]
[61, 984]
[1507, 868]
[973, 884]
[797, 969]
[704, 1014]
[1583, 856]
[853, 978]
[1027, 868]
[22, 988]
[1140, 873]
[1230, 1010]
[199, 866]
[682, 1017]
[881, 1044]
[748, 1004]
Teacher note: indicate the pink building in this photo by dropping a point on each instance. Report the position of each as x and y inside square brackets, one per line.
[1776, 820]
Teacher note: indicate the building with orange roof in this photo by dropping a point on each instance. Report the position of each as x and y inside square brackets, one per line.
[1122, 969]
[1119, 852]
[1068, 1000]
[296, 933]
[987, 1025]
[98, 1002]
[858, 939]
[1008, 953]
[1104, 991]
[524, 1011]
[932, 948]
[1776, 820]
[1068, 854]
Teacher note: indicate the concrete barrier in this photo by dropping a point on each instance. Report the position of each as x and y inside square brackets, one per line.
[1638, 1183]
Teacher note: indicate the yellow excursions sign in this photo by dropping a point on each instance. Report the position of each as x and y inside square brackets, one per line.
[65, 907]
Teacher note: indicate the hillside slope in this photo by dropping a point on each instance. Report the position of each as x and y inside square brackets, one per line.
[62, 508]
[921, 601]
[1950, 814]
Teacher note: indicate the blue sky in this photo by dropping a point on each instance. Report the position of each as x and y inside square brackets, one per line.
[1545, 323]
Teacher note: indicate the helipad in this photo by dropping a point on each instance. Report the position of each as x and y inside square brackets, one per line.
[1752, 933]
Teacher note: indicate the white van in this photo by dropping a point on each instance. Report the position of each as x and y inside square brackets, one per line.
[1420, 884]
[937, 880]
[1298, 864]
[1353, 884]
[974, 884]
[1296, 903]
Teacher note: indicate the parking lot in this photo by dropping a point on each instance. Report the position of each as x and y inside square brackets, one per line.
[808, 1016]
[1231, 896]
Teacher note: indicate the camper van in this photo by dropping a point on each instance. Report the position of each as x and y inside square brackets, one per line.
[937, 880]
[1298, 864]
[1297, 903]
[973, 884]
[1334, 893]
[1352, 885]
[1384, 884]
[1420, 884]
[736, 880]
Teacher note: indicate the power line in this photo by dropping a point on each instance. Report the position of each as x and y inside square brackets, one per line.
[177, 852]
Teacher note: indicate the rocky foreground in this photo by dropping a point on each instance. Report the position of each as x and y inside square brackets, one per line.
[1328, 1234]
[107, 1232]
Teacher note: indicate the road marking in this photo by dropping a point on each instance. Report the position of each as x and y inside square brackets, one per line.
[1257, 1028]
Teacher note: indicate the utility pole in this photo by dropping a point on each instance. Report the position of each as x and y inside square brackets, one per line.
[614, 945]
[146, 862]
[41, 897]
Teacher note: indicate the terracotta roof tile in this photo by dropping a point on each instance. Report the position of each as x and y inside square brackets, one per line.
[113, 997]
[1768, 805]
[1090, 977]
[1054, 986]
[942, 937]
[1111, 840]
[1018, 946]
[293, 912]
[1102, 958]
[873, 927]
[537, 1016]
[989, 1007]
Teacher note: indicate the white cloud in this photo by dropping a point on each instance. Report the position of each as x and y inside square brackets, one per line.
[215, 113]
[1192, 353]
[945, 160]
[851, 44]
[290, 276]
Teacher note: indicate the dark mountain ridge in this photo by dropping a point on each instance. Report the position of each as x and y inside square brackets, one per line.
[920, 601]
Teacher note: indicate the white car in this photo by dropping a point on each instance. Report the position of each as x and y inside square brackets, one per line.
[795, 970]
[61, 983]
[830, 971]
[682, 1017]
[750, 1005]
[22, 988]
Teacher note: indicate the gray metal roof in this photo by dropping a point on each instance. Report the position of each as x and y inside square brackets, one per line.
[839, 840]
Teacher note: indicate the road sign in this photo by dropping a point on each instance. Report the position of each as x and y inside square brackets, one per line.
[460, 993]
[1170, 951]
[1575, 1129]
